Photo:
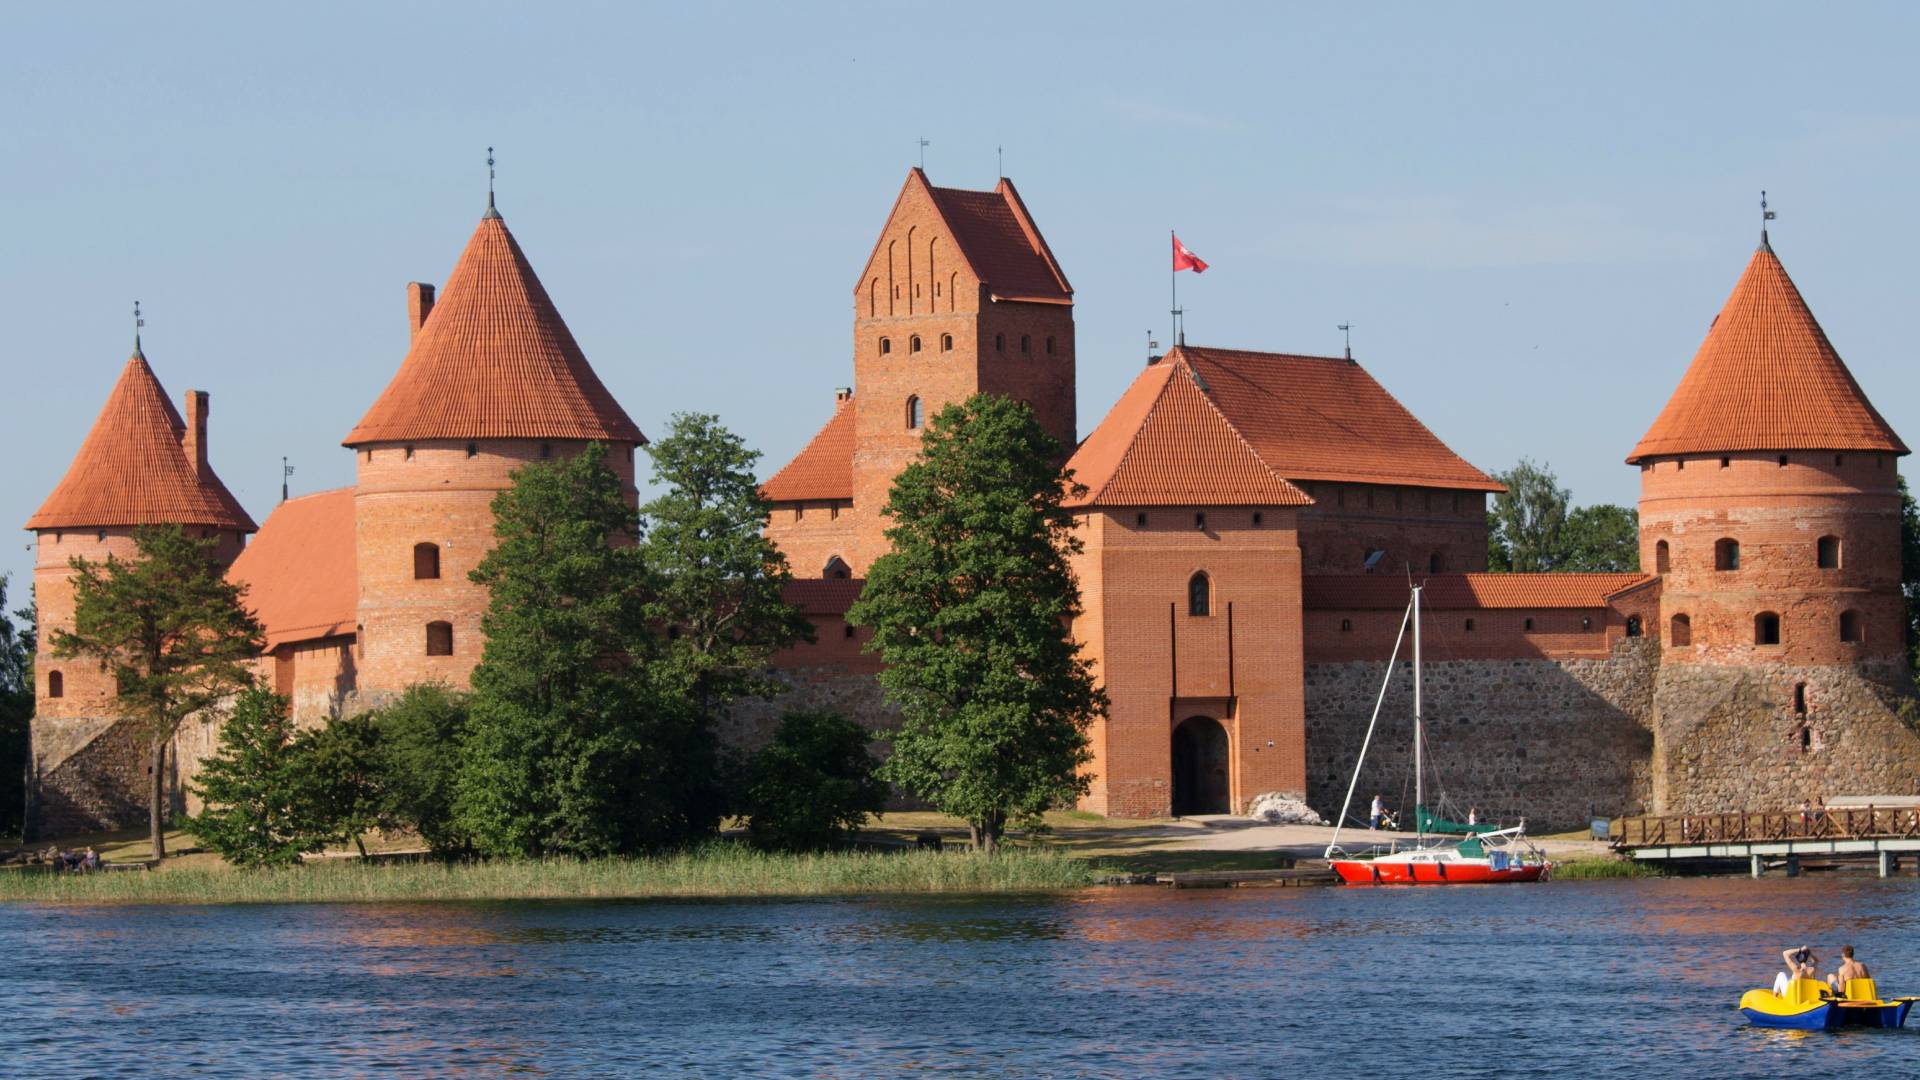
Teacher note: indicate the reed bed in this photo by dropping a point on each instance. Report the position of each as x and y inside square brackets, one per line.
[1595, 867]
[719, 870]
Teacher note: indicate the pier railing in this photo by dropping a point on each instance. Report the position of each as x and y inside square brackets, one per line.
[1835, 823]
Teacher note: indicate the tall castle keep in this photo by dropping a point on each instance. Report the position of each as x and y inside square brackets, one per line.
[1251, 521]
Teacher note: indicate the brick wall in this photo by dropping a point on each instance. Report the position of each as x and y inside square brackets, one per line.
[1427, 530]
[810, 533]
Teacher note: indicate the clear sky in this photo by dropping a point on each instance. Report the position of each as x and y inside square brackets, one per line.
[1528, 213]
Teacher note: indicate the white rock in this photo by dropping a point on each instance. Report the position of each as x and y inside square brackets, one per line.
[1275, 808]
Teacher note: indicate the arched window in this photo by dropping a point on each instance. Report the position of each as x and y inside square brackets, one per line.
[426, 562]
[1827, 553]
[1633, 626]
[913, 344]
[886, 346]
[1850, 629]
[439, 639]
[1199, 594]
[1026, 343]
[873, 298]
[56, 684]
[1766, 628]
[1680, 632]
[1662, 561]
[914, 413]
[837, 569]
[946, 342]
[1726, 554]
[1436, 563]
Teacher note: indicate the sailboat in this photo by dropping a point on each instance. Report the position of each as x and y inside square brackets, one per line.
[1496, 856]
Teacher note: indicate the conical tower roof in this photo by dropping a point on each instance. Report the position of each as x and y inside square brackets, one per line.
[495, 360]
[133, 470]
[1766, 378]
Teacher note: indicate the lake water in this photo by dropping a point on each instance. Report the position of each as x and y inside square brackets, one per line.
[1619, 978]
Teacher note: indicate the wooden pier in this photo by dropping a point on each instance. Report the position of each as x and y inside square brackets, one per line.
[1224, 879]
[1882, 835]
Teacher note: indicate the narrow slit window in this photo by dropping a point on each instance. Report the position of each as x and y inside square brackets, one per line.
[915, 413]
[56, 684]
[1199, 594]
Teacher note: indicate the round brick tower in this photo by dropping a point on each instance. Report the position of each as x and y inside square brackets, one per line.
[1770, 510]
[493, 381]
[142, 464]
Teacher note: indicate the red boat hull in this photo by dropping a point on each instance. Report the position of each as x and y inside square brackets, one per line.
[1369, 872]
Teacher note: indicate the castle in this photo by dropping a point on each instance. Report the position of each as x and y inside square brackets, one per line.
[1250, 523]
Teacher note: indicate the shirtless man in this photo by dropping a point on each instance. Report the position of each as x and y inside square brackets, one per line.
[1849, 969]
[1800, 965]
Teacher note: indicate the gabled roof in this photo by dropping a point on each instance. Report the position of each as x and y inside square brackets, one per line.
[997, 238]
[1464, 592]
[494, 360]
[1325, 418]
[133, 470]
[300, 571]
[823, 469]
[1165, 444]
[1766, 378]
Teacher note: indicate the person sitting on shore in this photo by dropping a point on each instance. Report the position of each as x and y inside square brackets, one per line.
[1849, 969]
[91, 860]
[1801, 964]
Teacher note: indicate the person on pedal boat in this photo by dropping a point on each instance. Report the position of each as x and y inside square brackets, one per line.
[1849, 969]
[1801, 964]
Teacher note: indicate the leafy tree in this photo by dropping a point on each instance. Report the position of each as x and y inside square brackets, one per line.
[16, 712]
[969, 611]
[1602, 537]
[169, 627]
[812, 785]
[720, 582]
[1524, 527]
[418, 738]
[574, 745]
[254, 813]
[339, 780]
[1910, 569]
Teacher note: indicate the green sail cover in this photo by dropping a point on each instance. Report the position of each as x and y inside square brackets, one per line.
[1431, 824]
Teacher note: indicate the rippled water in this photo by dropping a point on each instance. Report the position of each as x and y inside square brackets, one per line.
[1576, 979]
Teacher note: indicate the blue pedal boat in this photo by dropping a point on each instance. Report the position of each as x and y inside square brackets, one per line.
[1809, 1005]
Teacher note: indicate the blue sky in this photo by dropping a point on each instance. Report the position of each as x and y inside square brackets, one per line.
[1528, 213]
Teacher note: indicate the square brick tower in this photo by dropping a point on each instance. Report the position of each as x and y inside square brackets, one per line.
[960, 295]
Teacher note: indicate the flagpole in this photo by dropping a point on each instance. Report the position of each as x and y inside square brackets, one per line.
[1173, 285]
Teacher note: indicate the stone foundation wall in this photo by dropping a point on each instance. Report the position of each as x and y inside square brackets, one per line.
[89, 775]
[1735, 739]
[1551, 741]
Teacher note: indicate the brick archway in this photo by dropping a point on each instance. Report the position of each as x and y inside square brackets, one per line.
[1200, 761]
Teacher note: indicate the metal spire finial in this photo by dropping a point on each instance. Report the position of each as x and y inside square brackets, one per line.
[138, 322]
[923, 152]
[1347, 329]
[491, 212]
[1766, 215]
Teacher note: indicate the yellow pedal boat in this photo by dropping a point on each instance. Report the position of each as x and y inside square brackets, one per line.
[1811, 1005]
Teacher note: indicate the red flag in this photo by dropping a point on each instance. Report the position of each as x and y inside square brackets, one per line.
[1186, 260]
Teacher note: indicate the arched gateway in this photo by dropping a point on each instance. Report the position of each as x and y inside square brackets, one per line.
[1200, 767]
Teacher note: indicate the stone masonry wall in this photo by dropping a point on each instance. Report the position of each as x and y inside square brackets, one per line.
[89, 775]
[1551, 741]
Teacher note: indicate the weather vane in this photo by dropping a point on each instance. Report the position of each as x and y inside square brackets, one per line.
[489, 177]
[138, 322]
[923, 152]
[1347, 329]
[1766, 215]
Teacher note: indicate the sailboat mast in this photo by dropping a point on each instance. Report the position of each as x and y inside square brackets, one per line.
[1419, 736]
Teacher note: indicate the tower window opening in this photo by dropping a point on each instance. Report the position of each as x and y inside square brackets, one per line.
[1258, 517]
[1726, 554]
[1783, 461]
[439, 639]
[1766, 628]
[1725, 462]
[409, 453]
[847, 631]
[1800, 699]
[1436, 563]
[1633, 626]
[1662, 560]
[946, 342]
[1527, 623]
[426, 562]
[1199, 594]
[56, 684]
[1839, 460]
[100, 536]
[1586, 622]
[1680, 632]
[1140, 520]
[1681, 464]
[473, 450]
[886, 346]
[1049, 346]
[1806, 738]
[999, 343]
[1850, 631]
[1827, 553]
[1469, 626]
[546, 450]
[1346, 626]
[913, 344]
[1200, 519]
[914, 413]
[1026, 343]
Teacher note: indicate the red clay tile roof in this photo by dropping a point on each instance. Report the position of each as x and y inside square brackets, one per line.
[823, 469]
[1457, 592]
[300, 571]
[1165, 444]
[823, 596]
[1001, 242]
[132, 470]
[495, 360]
[1325, 418]
[1766, 378]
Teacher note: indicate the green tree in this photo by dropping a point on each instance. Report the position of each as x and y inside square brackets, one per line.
[574, 745]
[1602, 537]
[1525, 524]
[812, 785]
[419, 738]
[169, 627]
[719, 581]
[970, 611]
[340, 781]
[16, 712]
[1910, 569]
[254, 812]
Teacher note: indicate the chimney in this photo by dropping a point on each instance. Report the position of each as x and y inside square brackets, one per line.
[842, 395]
[194, 440]
[419, 306]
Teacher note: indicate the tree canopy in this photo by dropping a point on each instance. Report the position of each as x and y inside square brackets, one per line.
[970, 611]
[16, 712]
[254, 812]
[1532, 528]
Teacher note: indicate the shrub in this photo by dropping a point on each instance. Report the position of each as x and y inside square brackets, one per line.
[340, 779]
[255, 812]
[812, 785]
[419, 738]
